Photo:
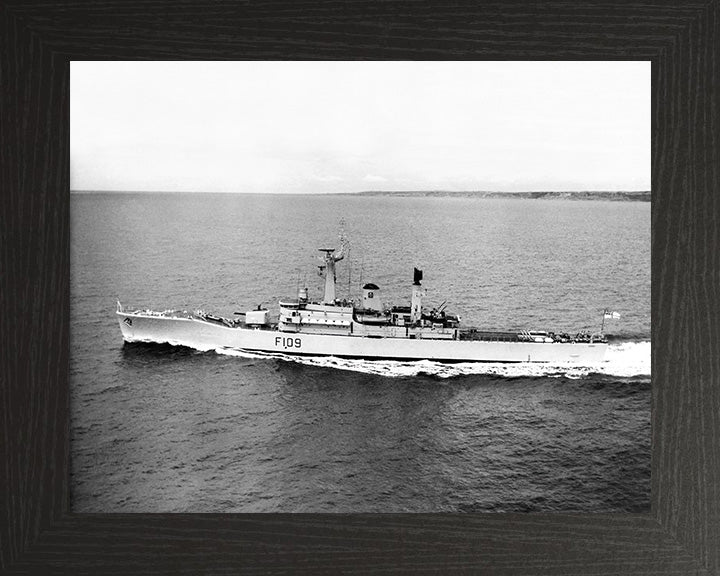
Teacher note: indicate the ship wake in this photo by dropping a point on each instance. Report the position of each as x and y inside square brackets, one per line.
[623, 359]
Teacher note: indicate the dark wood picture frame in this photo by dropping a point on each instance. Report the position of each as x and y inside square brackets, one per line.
[38, 534]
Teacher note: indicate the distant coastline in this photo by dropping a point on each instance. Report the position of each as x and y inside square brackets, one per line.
[617, 196]
[622, 196]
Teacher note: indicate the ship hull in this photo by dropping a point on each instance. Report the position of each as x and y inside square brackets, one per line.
[200, 334]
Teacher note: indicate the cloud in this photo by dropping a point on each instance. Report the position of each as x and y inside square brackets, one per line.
[325, 178]
[284, 126]
[373, 178]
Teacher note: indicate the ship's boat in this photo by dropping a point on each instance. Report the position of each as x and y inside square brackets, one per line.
[366, 329]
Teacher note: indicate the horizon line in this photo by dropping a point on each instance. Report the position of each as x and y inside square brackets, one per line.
[356, 192]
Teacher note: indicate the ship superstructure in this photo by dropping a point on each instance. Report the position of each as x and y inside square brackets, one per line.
[366, 329]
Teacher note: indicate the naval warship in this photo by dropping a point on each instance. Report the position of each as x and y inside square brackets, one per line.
[363, 330]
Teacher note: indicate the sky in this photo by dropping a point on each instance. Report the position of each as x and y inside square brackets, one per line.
[321, 127]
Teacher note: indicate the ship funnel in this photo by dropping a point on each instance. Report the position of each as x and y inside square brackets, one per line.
[417, 294]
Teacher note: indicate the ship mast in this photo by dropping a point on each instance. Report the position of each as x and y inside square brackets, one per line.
[328, 267]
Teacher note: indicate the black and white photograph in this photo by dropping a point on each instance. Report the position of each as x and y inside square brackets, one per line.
[360, 286]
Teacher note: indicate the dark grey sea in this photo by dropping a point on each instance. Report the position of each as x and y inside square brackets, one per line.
[156, 428]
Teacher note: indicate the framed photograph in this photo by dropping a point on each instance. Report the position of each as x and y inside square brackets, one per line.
[306, 323]
[100, 471]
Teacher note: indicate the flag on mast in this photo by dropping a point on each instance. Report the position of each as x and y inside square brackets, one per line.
[610, 315]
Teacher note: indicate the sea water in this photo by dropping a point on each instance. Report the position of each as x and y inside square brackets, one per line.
[161, 429]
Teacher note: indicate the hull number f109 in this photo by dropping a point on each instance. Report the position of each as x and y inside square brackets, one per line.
[281, 341]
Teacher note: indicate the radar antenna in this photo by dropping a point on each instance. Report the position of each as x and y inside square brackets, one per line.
[328, 268]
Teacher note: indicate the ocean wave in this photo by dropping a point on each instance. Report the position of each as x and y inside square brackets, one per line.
[624, 359]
